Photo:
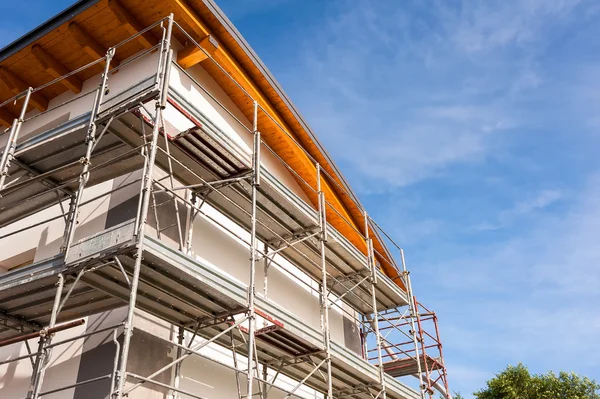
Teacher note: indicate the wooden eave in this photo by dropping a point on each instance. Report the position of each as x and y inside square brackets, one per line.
[104, 24]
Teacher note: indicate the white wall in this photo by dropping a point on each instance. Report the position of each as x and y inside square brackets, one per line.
[66, 359]
[46, 238]
[62, 368]
[212, 379]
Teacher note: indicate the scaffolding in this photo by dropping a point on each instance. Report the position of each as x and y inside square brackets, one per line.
[123, 265]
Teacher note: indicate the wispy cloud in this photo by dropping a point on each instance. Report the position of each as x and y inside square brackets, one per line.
[491, 26]
[524, 208]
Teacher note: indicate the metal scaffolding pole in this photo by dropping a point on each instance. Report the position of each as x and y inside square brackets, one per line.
[173, 198]
[427, 387]
[414, 313]
[11, 144]
[445, 376]
[253, 251]
[86, 160]
[37, 377]
[164, 66]
[375, 320]
[190, 218]
[324, 297]
[177, 377]
[45, 339]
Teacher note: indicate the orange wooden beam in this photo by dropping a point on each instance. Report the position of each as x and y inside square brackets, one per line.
[191, 55]
[56, 69]
[16, 85]
[131, 24]
[88, 43]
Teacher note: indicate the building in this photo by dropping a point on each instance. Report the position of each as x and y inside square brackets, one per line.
[171, 227]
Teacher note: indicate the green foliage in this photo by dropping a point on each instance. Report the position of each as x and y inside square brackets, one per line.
[517, 383]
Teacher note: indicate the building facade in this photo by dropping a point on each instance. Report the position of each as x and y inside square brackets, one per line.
[171, 227]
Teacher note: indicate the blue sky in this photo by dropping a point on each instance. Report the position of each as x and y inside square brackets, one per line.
[470, 130]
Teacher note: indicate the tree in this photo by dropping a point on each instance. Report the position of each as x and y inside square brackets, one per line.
[516, 382]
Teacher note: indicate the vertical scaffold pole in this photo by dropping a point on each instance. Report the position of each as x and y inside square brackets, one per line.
[413, 314]
[164, 67]
[37, 377]
[267, 263]
[90, 140]
[440, 346]
[11, 144]
[428, 386]
[177, 377]
[253, 245]
[324, 290]
[373, 281]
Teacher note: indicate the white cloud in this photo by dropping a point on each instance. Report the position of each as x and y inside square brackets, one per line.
[523, 208]
[477, 26]
[541, 200]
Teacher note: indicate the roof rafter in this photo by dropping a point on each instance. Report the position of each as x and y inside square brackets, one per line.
[191, 55]
[88, 43]
[56, 69]
[16, 85]
[131, 24]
